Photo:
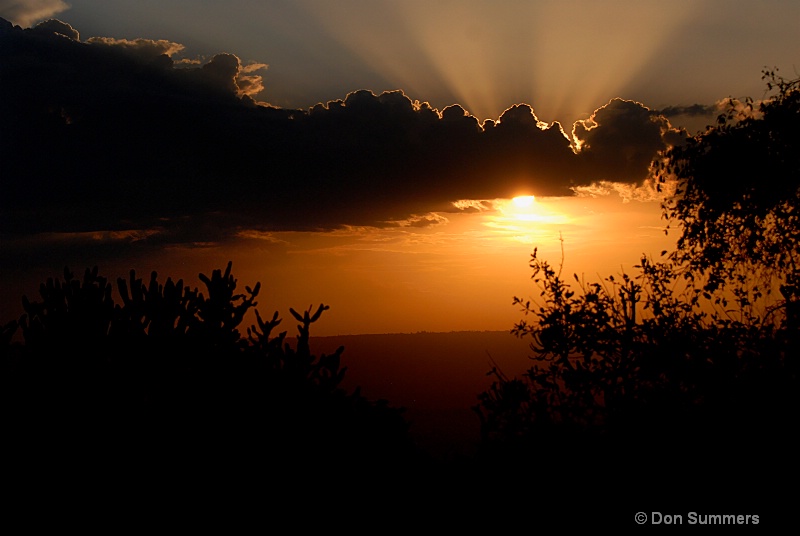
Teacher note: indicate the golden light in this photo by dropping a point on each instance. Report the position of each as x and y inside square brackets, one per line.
[524, 219]
[523, 208]
[404, 279]
[523, 201]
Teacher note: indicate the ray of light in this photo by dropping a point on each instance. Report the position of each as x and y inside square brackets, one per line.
[564, 58]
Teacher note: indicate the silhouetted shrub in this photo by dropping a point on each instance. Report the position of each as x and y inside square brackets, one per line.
[644, 382]
[164, 382]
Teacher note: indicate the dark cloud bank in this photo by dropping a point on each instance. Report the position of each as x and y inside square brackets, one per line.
[111, 135]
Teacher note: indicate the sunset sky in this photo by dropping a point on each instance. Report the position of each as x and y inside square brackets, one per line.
[398, 161]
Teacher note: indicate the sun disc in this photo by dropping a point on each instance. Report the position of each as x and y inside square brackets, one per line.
[523, 201]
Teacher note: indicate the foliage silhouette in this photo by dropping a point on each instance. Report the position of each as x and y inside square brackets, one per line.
[689, 365]
[164, 382]
[738, 193]
[640, 380]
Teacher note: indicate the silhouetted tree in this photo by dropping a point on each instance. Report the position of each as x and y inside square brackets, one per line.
[690, 363]
[738, 194]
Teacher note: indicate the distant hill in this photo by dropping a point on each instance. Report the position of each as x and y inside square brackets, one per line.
[436, 376]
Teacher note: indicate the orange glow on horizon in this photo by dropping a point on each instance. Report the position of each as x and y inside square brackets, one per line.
[458, 273]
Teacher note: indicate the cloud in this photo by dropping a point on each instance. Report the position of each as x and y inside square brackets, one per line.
[262, 236]
[111, 134]
[619, 140]
[223, 69]
[145, 49]
[473, 205]
[700, 117]
[25, 12]
[648, 190]
[57, 28]
[67, 247]
[695, 110]
[248, 83]
[419, 221]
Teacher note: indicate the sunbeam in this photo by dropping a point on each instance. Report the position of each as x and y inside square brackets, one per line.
[558, 57]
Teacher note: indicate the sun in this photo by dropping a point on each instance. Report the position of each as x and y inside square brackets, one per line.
[524, 208]
[523, 201]
[523, 218]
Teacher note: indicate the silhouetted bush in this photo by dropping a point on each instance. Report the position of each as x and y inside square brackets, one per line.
[164, 382]
[645, 384]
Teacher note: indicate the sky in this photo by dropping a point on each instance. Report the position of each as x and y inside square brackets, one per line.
[398, 161]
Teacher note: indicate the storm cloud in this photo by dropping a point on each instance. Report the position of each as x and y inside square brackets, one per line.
[113, 135]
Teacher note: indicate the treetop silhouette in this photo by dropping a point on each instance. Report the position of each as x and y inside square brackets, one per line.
[738, 189]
